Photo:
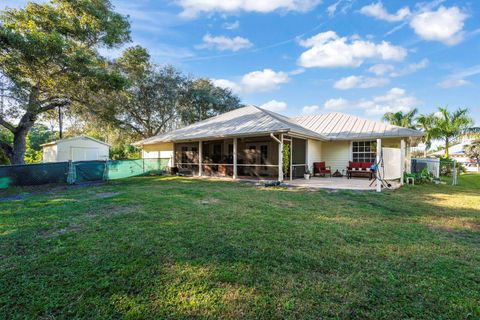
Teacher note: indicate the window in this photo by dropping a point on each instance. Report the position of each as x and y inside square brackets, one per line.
[364, 151]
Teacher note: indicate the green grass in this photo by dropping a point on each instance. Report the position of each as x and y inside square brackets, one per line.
[158, 247]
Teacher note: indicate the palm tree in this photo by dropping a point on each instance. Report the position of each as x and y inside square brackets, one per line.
[401, 119]
[449, 126]
[425, 122]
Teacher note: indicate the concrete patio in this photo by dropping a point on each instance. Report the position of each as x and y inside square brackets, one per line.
[361, 184]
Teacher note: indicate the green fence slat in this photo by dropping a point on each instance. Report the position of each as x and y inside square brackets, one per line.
[57, 172]
[33, 174]
[89, 170]
[118, 169]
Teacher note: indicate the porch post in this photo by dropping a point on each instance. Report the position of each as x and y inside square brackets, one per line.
[200, 156]
[402, 160]
[234, 158]
[280, 159]
[291, 159]
[173, 156]
[379, 153]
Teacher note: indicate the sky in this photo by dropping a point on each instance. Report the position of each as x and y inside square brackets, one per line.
[299, 57]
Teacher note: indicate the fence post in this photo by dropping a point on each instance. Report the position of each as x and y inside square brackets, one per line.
[105, 171]
[454, 173]
[72, 176]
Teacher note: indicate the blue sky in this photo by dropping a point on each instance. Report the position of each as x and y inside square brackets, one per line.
[311, 56]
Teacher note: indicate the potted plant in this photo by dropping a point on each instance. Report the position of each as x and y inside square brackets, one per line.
[307, 174]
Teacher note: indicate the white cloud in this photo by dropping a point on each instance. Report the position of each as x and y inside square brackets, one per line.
[336, 104]
[263, 80]
[274, 105]
[224, 43]
[308, 110]
[457, 79]
[452, 83]
[192, 8]
[296, 71]
[360, 82]
[378, 11]
[381, 69]
[328, 50]
[231, 25]
[396, 99]
[227, 84]
[256, 81]
[333, 8]
[444, 25]
[411, 68]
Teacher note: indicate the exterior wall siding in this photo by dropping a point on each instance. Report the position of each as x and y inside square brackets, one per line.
[159, 150]
[79, 150]
[50, 153]
[314, 152]
[336, 154]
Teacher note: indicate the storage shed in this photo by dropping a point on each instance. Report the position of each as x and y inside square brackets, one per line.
[81, 148]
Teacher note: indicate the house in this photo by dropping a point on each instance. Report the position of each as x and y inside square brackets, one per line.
[248, 142]
[81, 148]
[457, 153]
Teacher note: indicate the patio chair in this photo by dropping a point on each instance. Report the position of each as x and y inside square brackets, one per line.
[321, 169]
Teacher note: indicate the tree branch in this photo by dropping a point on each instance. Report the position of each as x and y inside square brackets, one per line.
[7, 149]
[53, 104]
[7, 125]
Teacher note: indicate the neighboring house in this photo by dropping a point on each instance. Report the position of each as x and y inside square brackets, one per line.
[80, 148]
[457, 153]
[248, 141]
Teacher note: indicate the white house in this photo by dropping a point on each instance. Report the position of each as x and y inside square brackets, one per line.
[81, 148]
[248, 142]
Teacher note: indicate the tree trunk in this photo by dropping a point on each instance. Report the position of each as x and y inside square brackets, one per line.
[447, 143]
[19, 145]
[20, 137]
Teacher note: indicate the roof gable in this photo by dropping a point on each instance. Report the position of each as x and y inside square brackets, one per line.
[74, 138]
[248, 120]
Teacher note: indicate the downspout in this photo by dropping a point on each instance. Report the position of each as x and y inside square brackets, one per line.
[275, 138]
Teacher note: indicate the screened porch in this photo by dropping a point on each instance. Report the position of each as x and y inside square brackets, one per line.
[256, 157]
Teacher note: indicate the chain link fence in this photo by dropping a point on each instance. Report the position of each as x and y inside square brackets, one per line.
[79, 171]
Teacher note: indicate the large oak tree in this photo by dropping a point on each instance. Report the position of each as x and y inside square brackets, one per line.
[49, 58]
[157, 99]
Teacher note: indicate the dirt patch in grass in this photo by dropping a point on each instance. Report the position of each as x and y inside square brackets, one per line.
[73, 227]
[114, 210]
[104, 195]
[209, 201]
[110, 211]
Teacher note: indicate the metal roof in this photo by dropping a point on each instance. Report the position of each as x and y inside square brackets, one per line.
[252, 120]
[340, 126]
[249, 120]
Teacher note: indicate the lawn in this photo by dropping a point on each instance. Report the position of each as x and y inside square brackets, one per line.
[164, 247]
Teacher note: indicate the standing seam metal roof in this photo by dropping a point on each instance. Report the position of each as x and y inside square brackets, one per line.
[248, 120]
[340, 126]
[252, 120]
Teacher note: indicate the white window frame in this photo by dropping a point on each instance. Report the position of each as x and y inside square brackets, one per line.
[361, 150]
